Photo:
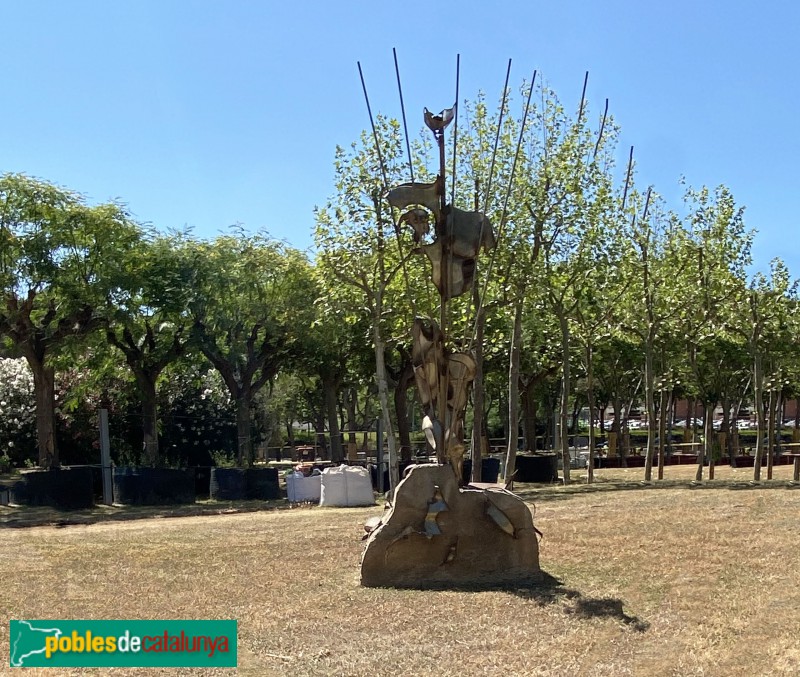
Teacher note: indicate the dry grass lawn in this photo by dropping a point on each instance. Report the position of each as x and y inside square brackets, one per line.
[651, 581]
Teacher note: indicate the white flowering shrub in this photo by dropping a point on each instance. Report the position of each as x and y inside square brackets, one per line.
[197, 418]
[197, 415]
[17, 412]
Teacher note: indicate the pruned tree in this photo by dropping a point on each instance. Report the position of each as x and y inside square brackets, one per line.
[58, 257]
[148, 321]
[251, 305]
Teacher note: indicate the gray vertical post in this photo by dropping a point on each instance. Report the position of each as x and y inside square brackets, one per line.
[105, 457]
[379, 456]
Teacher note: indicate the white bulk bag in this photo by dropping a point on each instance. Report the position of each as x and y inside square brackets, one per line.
[346, 486]
[302, 489]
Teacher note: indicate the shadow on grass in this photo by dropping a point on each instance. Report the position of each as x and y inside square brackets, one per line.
[550, 590]
[39, 516]
[541, 493]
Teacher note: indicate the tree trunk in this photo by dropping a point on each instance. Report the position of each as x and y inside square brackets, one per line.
[44, 387]
[565, 388]
[650, 405]
[331, 391]
[147, 391]
[319, 433]
[725, 427]
[383, 396]
[689, 427]
[573, 426]
[404, 382]
[244, 447]
[513, 393]
[758, 404]
[707, 452]
[529, 414]
[616, 428]
[350, 411]
[670, 420]
[478, 398]
[771, 431]
[590, 398]
[662, 429]
[702, 452]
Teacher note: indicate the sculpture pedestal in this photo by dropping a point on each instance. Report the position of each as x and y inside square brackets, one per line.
[439, 535]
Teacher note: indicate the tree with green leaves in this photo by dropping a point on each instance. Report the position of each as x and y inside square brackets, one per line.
[574, 197]
[148, 320]
[652, 263]
[769, 301]
[715, 249]
[58, 256]
[251, 305]
[360, 248]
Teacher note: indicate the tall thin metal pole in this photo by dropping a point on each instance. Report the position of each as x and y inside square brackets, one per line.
[403, 111]
[627, 178]
[441, 232]
[455, 133]
[372, 124]
[497, 140]
[409, 295]
[602, 128]
[487, 194]
[583, 97]
[105, 458]
[501, 227]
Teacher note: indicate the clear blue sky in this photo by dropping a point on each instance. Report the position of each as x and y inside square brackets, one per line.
[211, 113]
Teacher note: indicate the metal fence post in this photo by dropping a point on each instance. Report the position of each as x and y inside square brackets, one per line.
[105, 458]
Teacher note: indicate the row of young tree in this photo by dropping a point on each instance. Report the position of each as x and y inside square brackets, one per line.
[595, 283]
[596, 290]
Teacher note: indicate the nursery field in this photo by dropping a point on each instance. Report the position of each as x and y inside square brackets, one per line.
[668, 581]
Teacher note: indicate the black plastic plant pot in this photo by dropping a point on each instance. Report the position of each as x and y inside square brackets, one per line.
[64, 488]
[202, 481]
[227, 484]
[490, 470]
[154, 486]
[542, 468]
[261, 484]
[234, 484]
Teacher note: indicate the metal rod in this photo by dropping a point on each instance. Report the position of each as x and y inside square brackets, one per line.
[602, 128]
[583, 97]
[403, 111]
[372, 124]
[488, 192]
[502, 225]
[647, 203]
[386, 188]
[627, 178]
[497, 140]
[442, 235]
[646, 207]
[105, 458]
[455, 133]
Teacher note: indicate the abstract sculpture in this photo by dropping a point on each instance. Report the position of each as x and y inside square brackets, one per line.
[435, 532]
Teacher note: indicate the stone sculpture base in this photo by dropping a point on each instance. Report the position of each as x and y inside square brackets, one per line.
[439, 535]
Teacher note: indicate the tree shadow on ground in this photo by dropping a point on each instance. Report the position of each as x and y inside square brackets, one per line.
[551, 590]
